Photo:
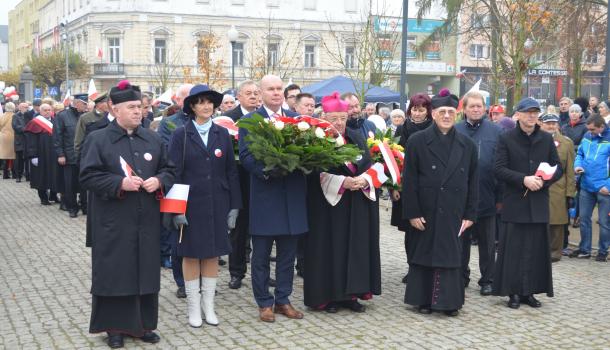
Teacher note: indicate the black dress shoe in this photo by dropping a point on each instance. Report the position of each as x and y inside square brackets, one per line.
[486, 289]
[531, 301]
[404, 279]
[63, 207]
[115, 340]
[18, 179]
[45, 202]
[73, 213]
[150, 337]
[514, 301]
[221, 262]
[272, 283]
[424, 309]
[451, 313]
[235, 282]
[354, 305]
[180, 293]
[84, 210]
[332, 307]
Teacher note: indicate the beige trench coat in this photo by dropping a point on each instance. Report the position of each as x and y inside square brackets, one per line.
[7, 136]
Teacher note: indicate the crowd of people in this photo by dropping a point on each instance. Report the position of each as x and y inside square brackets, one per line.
[471, 176]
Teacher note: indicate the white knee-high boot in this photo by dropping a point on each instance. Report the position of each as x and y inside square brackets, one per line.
[208, 290]
[193, 303]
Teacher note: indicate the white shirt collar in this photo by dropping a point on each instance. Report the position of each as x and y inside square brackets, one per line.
[110, 117]
[243, 110]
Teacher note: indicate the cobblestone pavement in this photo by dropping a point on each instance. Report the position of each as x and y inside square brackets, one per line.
[45, 301]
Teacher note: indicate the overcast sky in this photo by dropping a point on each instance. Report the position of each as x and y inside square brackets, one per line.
[393, 6]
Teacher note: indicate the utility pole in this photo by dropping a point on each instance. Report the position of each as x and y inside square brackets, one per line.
[403, 55]
[606, 80]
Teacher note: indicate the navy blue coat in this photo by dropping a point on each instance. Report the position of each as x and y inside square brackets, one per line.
[212, 174]
[277, 205]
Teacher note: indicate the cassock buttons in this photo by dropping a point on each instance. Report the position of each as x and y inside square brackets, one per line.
[209, 177]
[434, 167]
[139, 171]
[136, 154]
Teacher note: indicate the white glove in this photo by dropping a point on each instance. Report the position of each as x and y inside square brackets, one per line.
[35, 161]
[232, 218]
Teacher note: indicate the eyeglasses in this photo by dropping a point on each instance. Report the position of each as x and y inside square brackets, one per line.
[449, 112]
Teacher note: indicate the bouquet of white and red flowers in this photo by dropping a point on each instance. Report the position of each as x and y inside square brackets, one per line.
[385, 149]
[285, 144]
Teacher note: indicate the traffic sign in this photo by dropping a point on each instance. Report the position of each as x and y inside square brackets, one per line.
[53, 90]
[37, 93]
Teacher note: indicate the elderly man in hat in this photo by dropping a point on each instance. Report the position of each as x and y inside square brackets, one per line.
[563, 191]
[126, 169]
[440, 196]
[63, 142]
[523, 267]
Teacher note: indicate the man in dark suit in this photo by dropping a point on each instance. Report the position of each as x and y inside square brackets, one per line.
[247, 95]
[278, 214]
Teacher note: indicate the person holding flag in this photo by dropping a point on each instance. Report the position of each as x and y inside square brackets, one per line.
[440, 197]
[342, 260]
[204, 158]
[124, 219]
[525, 157]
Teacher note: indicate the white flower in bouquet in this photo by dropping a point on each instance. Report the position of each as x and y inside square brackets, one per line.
[303, 126]
[279, 124]
[340, 141]
[320, 133]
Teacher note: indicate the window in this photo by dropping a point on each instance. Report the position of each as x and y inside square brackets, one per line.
[309, 4]
[160, 51]
[114, 50]
[478, 21]
[272, 54]
[310, 56]
[273, 3]
[349, 57]
[479, 51]
[238, 54]
[590, 56]
[411, 46]
[351, 6]
[541, 57]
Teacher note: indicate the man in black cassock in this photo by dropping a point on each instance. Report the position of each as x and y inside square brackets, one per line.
[523, 267]
[125, 168]
[440, 196]
[41, 155]
[342, 260]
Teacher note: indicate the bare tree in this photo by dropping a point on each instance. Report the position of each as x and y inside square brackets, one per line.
[364, 51]
[166, 72]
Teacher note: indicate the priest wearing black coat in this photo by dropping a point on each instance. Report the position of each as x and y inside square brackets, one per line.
[342, 260]
[523, 267]
[126, 168]
[440, 196]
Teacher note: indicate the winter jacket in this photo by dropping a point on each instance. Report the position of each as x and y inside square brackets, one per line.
[593, 155]
[576, 132]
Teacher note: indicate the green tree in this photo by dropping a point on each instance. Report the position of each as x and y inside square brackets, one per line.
[10, 78]
[49, 67]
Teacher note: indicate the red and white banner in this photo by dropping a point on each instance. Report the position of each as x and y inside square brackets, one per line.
[44, 123]
[92, 91]
[546, 171]
[227, 123]
[127, 170]
[377, 174]
[176, 199]
[390, 161]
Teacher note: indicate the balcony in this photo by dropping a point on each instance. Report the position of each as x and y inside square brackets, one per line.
[108, 69]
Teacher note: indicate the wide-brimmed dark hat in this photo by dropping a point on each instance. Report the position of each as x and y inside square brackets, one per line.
[201, 90]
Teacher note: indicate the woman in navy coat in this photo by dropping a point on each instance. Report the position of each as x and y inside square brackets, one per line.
[204, 158]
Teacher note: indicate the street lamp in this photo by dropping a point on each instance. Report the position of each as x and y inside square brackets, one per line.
[528, 45]
[64, 38]
[233, 35]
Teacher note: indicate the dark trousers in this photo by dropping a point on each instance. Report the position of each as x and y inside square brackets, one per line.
[18, 165]
[7, 165]
[286, 247]
[239, 243]
[301, 253]
[43, 195]
[166, 243]
[176, 260]
[71, 187]
[484, 230]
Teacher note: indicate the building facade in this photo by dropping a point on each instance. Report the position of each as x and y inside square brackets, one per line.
[3, 48]
[23, 31]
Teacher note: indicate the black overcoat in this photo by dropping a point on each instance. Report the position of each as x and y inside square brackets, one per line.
[64, 130]
[214, 189]
[39, 144]
[442, 193]
[519, 155]
[125, 226]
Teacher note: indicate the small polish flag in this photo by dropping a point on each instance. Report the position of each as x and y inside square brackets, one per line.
[227, 123]
[546, 171]
[99, 52]
[176, 199]
[127, 170]
[390, 161]
[66, 100]
[44, 123]
[165, 98]
[377, 175]
[92, 91]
